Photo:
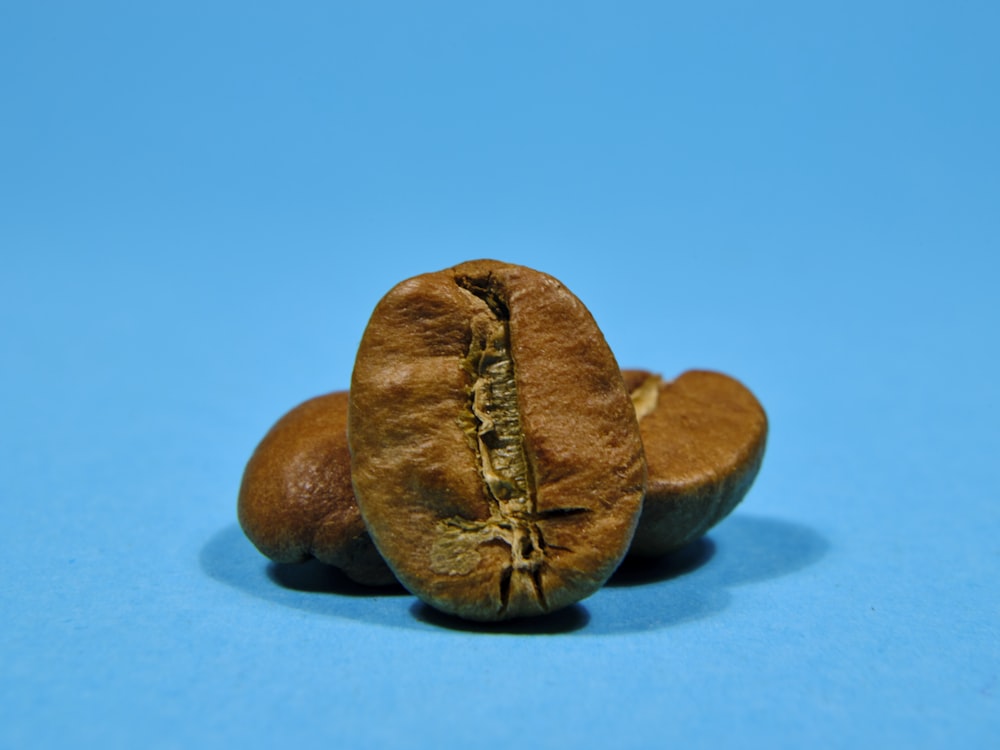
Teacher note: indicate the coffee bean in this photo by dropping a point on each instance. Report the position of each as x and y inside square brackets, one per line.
[704, 435]
[495, 451]
[296, 500]
[703, 447]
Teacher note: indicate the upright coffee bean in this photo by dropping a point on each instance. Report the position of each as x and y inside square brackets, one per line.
[495, 452]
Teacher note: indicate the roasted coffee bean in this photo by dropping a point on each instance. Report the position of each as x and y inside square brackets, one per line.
[296, 500]
[704, 435]
[704, 448]
[495, 452]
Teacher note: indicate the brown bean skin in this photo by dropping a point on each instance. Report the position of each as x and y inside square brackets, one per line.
[703, 448]
[704, 435]
[495, 452]
[296, 501]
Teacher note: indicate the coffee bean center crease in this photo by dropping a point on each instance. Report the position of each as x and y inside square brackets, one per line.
[498, 440]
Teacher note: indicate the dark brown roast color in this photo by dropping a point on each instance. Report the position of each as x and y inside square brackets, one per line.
[704, 435]
[296, 499]
[495, 452]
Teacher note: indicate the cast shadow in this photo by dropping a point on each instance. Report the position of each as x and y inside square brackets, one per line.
[568, 620]
[699, 580]
[751, 549]
[636, 571]
[690, 584]
[313, 577]
[741, 550]
[229, 558]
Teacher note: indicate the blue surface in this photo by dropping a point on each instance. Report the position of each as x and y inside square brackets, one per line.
[200, 206]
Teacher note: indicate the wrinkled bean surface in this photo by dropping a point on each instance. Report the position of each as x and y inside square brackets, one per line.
[495, 452]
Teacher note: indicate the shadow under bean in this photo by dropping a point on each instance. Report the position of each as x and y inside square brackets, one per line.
[687, 585]
[314, 577]
[567, 620]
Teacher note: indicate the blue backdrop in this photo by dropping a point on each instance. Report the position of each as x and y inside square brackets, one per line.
[200, 204]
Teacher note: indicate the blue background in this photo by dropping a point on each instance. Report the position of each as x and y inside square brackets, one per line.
[200, 204]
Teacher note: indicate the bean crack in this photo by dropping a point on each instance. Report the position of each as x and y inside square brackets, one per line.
[506, 471]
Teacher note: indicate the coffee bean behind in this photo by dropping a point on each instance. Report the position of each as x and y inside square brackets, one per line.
[296, 501]
[704, 435]
[495, 453]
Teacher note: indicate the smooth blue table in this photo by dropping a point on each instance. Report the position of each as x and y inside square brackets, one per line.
[200, 206]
